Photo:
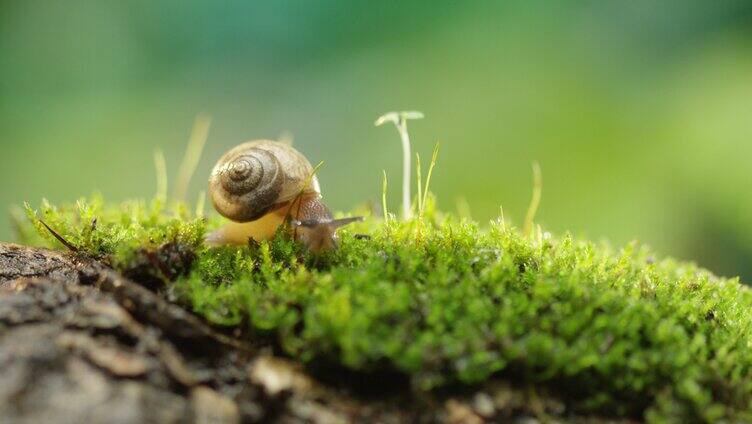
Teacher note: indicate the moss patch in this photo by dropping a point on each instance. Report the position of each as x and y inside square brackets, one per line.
[449, 304]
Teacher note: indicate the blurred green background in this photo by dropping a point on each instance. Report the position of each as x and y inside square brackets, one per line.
[639, 112]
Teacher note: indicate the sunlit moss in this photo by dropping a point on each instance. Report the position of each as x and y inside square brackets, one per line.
[113, 233]
[447, 302]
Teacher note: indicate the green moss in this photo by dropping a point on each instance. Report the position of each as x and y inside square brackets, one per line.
[448, 303]
[119, 234]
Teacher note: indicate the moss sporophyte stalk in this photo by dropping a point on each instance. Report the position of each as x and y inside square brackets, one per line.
[615, 330]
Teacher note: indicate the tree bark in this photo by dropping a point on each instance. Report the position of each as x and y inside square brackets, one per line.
[80, 343]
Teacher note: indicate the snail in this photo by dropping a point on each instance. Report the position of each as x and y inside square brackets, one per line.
[261, 183]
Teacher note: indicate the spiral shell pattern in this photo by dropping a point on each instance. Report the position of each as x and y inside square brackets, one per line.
[255, 177]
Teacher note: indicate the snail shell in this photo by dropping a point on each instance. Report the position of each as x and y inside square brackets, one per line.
[258, 176]
[258, 185]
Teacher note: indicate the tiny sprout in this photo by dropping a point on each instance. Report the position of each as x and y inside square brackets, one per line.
[161, 171]
[534, 201]
[385, 211]
[398, 117]
[400, 121]
[193, 151]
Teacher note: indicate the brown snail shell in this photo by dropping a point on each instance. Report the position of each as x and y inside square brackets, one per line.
[258, 185]
[258, 176]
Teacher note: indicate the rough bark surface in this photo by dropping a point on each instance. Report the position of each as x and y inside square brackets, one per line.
[80, 343]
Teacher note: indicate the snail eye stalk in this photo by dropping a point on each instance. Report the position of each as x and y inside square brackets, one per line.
[332, 223]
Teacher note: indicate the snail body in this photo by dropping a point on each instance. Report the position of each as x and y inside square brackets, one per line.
[258, 185]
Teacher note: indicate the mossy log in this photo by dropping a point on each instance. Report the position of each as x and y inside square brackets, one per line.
[81, 343]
